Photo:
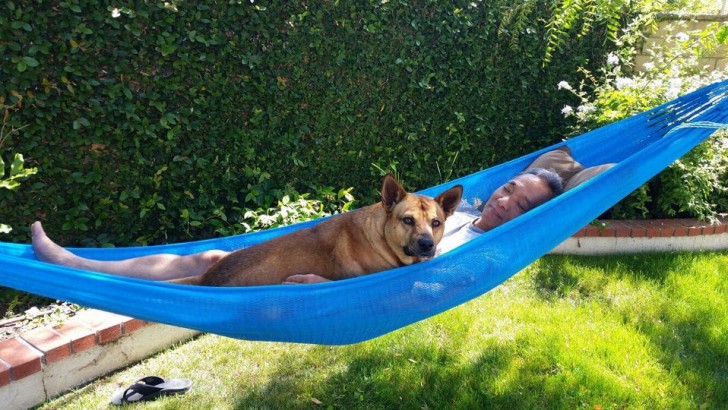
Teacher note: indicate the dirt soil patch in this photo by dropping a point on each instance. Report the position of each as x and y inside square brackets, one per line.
[21, 312]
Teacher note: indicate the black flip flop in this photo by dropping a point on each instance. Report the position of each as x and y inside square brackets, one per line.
[149, 388]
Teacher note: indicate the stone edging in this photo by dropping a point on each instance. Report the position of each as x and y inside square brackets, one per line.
[656, 235]
[43, 363]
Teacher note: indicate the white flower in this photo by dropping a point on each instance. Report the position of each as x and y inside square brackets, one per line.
[586, 108]
[564, 85]
[674, 87]
[682, 37]
[115, 13]
[648, 66]
[567, 110]
[672, 93]
[612, 59]
[623, 82]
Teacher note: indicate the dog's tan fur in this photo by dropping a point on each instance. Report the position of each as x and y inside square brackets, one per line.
[401, 230]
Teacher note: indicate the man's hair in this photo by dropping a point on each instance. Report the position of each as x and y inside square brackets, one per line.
[552, 179]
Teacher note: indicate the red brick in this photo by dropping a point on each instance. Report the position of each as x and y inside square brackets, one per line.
[4, 374]
[591, 231]
[693, 226]
[132, 325]
[652, 229]
[107, 325]
[680, 230]
[667, 227]
[639, 229]
[23, 359]
[708, 229]
[721, 228]
[54, 346]
[608, 232]
[622, 228]
[580, 233]
[608, 228]
[82, 337]
[631, 227]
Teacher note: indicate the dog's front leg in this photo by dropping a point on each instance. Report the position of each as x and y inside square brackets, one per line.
[304, 278]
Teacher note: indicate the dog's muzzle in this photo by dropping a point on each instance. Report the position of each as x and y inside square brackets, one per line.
[423, 248]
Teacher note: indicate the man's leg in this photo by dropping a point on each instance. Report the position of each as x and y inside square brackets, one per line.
[153, 267]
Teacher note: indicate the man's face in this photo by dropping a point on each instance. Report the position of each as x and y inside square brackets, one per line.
[513, 199]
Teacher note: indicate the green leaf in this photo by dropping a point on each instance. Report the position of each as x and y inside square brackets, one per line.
[168, 49]
[31, 62]
[81, 123]
[722, 34]
[16, 167]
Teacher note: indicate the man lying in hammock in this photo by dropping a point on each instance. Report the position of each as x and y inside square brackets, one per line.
[523, 192]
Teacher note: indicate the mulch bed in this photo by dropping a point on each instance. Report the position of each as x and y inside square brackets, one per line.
[20, 312]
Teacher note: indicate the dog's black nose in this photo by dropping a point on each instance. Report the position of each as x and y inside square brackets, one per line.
[426, 244]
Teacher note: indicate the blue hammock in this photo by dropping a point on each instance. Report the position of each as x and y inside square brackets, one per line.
[354, 310]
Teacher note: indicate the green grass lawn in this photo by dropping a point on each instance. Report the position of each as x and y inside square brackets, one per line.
[642, 331]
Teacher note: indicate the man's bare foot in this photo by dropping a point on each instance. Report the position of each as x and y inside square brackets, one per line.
[48, 251]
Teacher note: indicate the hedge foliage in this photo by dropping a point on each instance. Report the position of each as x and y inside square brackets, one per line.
[161, 121]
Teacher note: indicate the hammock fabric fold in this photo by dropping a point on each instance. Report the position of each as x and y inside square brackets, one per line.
[355, 310]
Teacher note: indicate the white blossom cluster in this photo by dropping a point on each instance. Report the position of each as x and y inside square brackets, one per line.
[674, 70]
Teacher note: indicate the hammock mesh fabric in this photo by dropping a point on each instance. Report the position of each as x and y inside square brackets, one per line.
[358, 309]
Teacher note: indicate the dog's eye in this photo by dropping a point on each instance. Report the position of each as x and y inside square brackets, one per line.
[408, 220]
[436, 223]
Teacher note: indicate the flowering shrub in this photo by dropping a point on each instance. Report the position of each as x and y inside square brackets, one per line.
[695, 185]
[300, 208]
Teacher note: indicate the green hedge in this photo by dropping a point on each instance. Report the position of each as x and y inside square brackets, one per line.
[159, 121]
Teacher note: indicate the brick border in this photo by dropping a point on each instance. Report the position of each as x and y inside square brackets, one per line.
[33, 351]
[652, 228]
[24, 355]
[42, 363]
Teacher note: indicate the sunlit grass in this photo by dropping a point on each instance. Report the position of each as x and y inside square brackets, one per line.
[644, 331]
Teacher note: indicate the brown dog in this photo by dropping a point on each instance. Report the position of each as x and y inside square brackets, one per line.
[401, 230]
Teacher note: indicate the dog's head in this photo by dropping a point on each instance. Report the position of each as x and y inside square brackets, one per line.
[415, 223]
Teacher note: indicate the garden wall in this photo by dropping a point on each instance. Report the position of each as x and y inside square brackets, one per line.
[671, 24]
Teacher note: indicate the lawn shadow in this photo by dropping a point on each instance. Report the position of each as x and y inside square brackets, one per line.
[694, 348]
[404, 371]
[499, 378]
[560, 275]
[379, 379]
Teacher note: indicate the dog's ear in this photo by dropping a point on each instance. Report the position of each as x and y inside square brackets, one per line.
[392, 192]
[450, 199]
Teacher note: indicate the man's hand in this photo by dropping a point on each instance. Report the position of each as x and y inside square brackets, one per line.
[304, 278]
